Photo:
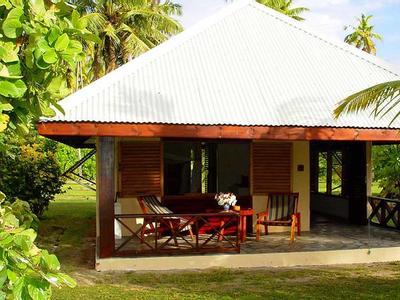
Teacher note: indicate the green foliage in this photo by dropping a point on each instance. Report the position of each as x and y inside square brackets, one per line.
[67, 156]
[363, 35]
[386, 163]
[285, 7]
[383, 98]
[26, 272]
[125, 29]
[40, 45]
[29, 171]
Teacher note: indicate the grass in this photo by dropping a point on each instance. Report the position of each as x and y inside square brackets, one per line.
[68, 229]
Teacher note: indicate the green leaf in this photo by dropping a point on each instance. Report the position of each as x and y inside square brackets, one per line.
[5, 3]
[15, 89]
[65, 279]
[2, 197]
[10, 71]
[43, 46]
[17, 3]
[62, 42]
[53, 35]
[4, 121]
[90, 37]
[8, 52]
[5, 107]
[37, 6]
[12, 26]
[50, 56]
[41, 64]
[51, 261]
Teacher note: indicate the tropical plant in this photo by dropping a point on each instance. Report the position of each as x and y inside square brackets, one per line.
[285, 7]
[30, 171]
[363, 35]
[40, 44]
[386, 169]
[382, 98]
[68, 156]
[126, 28]
[26, 271]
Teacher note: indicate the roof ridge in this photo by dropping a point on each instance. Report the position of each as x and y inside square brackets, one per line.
[325, 38]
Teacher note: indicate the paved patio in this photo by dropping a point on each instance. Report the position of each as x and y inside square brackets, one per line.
[326, 236]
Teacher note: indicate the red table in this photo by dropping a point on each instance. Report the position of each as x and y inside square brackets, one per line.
[244, 213]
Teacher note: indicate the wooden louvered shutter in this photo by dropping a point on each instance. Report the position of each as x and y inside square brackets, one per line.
[140, 168]
[271, 167]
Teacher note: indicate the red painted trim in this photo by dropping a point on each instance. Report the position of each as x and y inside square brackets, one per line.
[217, 132]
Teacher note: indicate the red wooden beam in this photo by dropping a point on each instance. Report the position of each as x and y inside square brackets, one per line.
[106, 194]
[52, 129]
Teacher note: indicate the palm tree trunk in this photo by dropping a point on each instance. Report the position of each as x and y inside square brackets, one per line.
[97, 63]
[111, 56]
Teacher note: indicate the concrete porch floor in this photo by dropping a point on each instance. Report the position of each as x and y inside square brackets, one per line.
[326, 244]
[326, 236]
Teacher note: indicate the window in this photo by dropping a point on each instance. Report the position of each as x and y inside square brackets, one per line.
[205, 167]
[330, 172]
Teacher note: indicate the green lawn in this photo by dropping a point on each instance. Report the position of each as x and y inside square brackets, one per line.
[68, 229]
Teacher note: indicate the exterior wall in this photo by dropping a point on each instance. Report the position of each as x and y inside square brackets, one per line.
[300, 183]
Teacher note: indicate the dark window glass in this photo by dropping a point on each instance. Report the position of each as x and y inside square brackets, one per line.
[206, 167]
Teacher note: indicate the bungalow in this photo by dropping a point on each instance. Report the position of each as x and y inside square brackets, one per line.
[240, 103]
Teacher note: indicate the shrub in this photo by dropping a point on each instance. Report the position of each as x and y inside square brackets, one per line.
[29, 171]
[68, 156]
[26, 271]
[386, 163]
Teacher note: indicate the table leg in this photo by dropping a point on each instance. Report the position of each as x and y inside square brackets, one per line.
[243, 233]
[221, 234]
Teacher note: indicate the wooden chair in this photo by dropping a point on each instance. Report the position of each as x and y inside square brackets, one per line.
[282, 210]
[151, 205]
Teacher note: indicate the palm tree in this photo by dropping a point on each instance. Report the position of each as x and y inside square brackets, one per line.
[383, 98]
[126, 28]
[363, 35]
[285, 7]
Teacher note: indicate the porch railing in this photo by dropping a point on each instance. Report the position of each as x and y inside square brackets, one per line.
[385, 212]
[152, 234]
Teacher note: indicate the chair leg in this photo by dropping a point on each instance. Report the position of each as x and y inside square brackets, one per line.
[171, 226]
[258, 231]
[298, 217]
[266, 229]
[191, 232]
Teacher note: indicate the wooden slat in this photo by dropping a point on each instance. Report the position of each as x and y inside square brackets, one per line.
[140, 168]
[271, 167]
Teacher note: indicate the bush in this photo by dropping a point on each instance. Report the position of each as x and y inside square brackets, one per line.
[68, 156]
[29, 171]
[386, 163]
[26, 271]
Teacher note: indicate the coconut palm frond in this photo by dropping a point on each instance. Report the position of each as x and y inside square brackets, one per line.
[363, 35]
[285, 7]
[382, 98]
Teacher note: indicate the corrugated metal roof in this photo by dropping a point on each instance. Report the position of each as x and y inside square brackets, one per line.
[247, 65]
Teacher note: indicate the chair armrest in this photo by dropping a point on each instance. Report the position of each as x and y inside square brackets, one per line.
[262, 214]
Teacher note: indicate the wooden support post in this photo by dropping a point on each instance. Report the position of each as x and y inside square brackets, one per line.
[106, 190]
[356, 168]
